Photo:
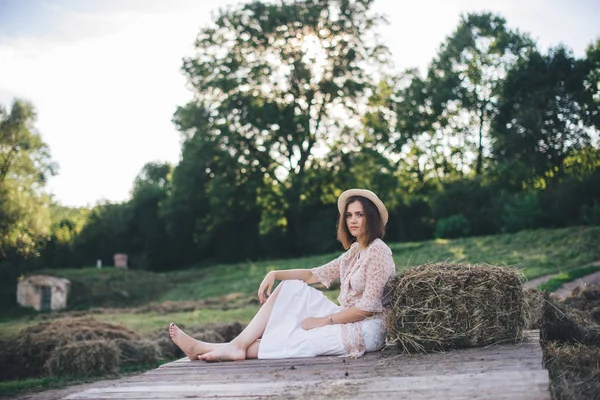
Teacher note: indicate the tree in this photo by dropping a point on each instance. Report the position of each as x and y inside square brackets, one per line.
[23, 154]
[106, 232]
[592, 81]
[465, 78]
[546, 115]
[25, 165]
[149, 245]
[275, 83]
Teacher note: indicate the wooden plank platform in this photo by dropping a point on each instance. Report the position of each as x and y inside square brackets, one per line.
[501, 371]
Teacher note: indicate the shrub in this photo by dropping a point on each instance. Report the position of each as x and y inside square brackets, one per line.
[452, 227]
[522, 211]
[590, 215]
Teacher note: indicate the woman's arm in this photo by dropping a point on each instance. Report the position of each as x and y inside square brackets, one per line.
[301, 274]
[346, 316]
[283, 275]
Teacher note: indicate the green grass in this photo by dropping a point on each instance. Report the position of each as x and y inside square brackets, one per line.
[556, 282]
[536, 253]
[13, 388]
[147, 323]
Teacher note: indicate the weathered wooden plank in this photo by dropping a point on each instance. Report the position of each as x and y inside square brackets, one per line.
[451, 357]
[320, 374]
[505, 383]
[382, 367]
[501, 371]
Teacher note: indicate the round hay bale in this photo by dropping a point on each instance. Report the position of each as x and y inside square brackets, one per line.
[138, 352]
[437, 307]
[87, 358]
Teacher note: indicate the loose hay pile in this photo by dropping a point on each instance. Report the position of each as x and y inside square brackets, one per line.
[572, 320]
[75, 346]
[438, 307]
[574, 370]
[532, 311]
[87, 358]
[37, 343]
[570, 333]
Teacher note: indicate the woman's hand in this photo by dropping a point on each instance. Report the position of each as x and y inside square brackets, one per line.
[265, 286]
[314, 322]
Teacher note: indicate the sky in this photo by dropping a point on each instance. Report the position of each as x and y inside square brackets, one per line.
[105, 75]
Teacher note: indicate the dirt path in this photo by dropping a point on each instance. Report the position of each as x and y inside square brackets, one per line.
[538, 281]
[565, 290]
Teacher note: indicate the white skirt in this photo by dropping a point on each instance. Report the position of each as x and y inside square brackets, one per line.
[285, 338]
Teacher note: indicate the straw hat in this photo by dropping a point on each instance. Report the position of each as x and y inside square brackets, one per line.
[383, 213]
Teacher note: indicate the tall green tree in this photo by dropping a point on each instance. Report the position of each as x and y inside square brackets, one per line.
[277, 82]
[592, 80]
[105, 233]
[23, 154]
[25, 165]
[546, 115]
[149, 243]
[465, 78]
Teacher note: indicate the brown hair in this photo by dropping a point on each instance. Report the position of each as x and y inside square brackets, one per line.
[374, 227]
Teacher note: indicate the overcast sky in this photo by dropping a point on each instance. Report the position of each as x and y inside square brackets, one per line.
[104, 75]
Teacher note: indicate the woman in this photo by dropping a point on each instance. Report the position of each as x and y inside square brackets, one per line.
[297, 320]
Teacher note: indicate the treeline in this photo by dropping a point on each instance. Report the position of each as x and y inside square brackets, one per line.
[294, 102]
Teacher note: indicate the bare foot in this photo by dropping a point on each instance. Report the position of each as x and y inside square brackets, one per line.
[230, 352]
[191, 347]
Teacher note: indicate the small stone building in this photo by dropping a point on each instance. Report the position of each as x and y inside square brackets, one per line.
[43, 292]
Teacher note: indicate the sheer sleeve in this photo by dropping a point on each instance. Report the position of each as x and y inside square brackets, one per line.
[328, 272]
[380, 268]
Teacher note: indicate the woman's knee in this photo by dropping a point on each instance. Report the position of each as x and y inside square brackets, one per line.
[275, 293]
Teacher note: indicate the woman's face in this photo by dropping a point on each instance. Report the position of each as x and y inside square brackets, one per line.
[356, 219]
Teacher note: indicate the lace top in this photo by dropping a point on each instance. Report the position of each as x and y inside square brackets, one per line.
[363, 275]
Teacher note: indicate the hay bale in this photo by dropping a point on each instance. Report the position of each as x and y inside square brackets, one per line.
[574, 370]
[86, 358]
[36, 344]
[532, 308]
[138, 352]
[437, 307]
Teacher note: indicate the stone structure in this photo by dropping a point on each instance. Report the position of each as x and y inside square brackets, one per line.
[120, 260]
[43, 292]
